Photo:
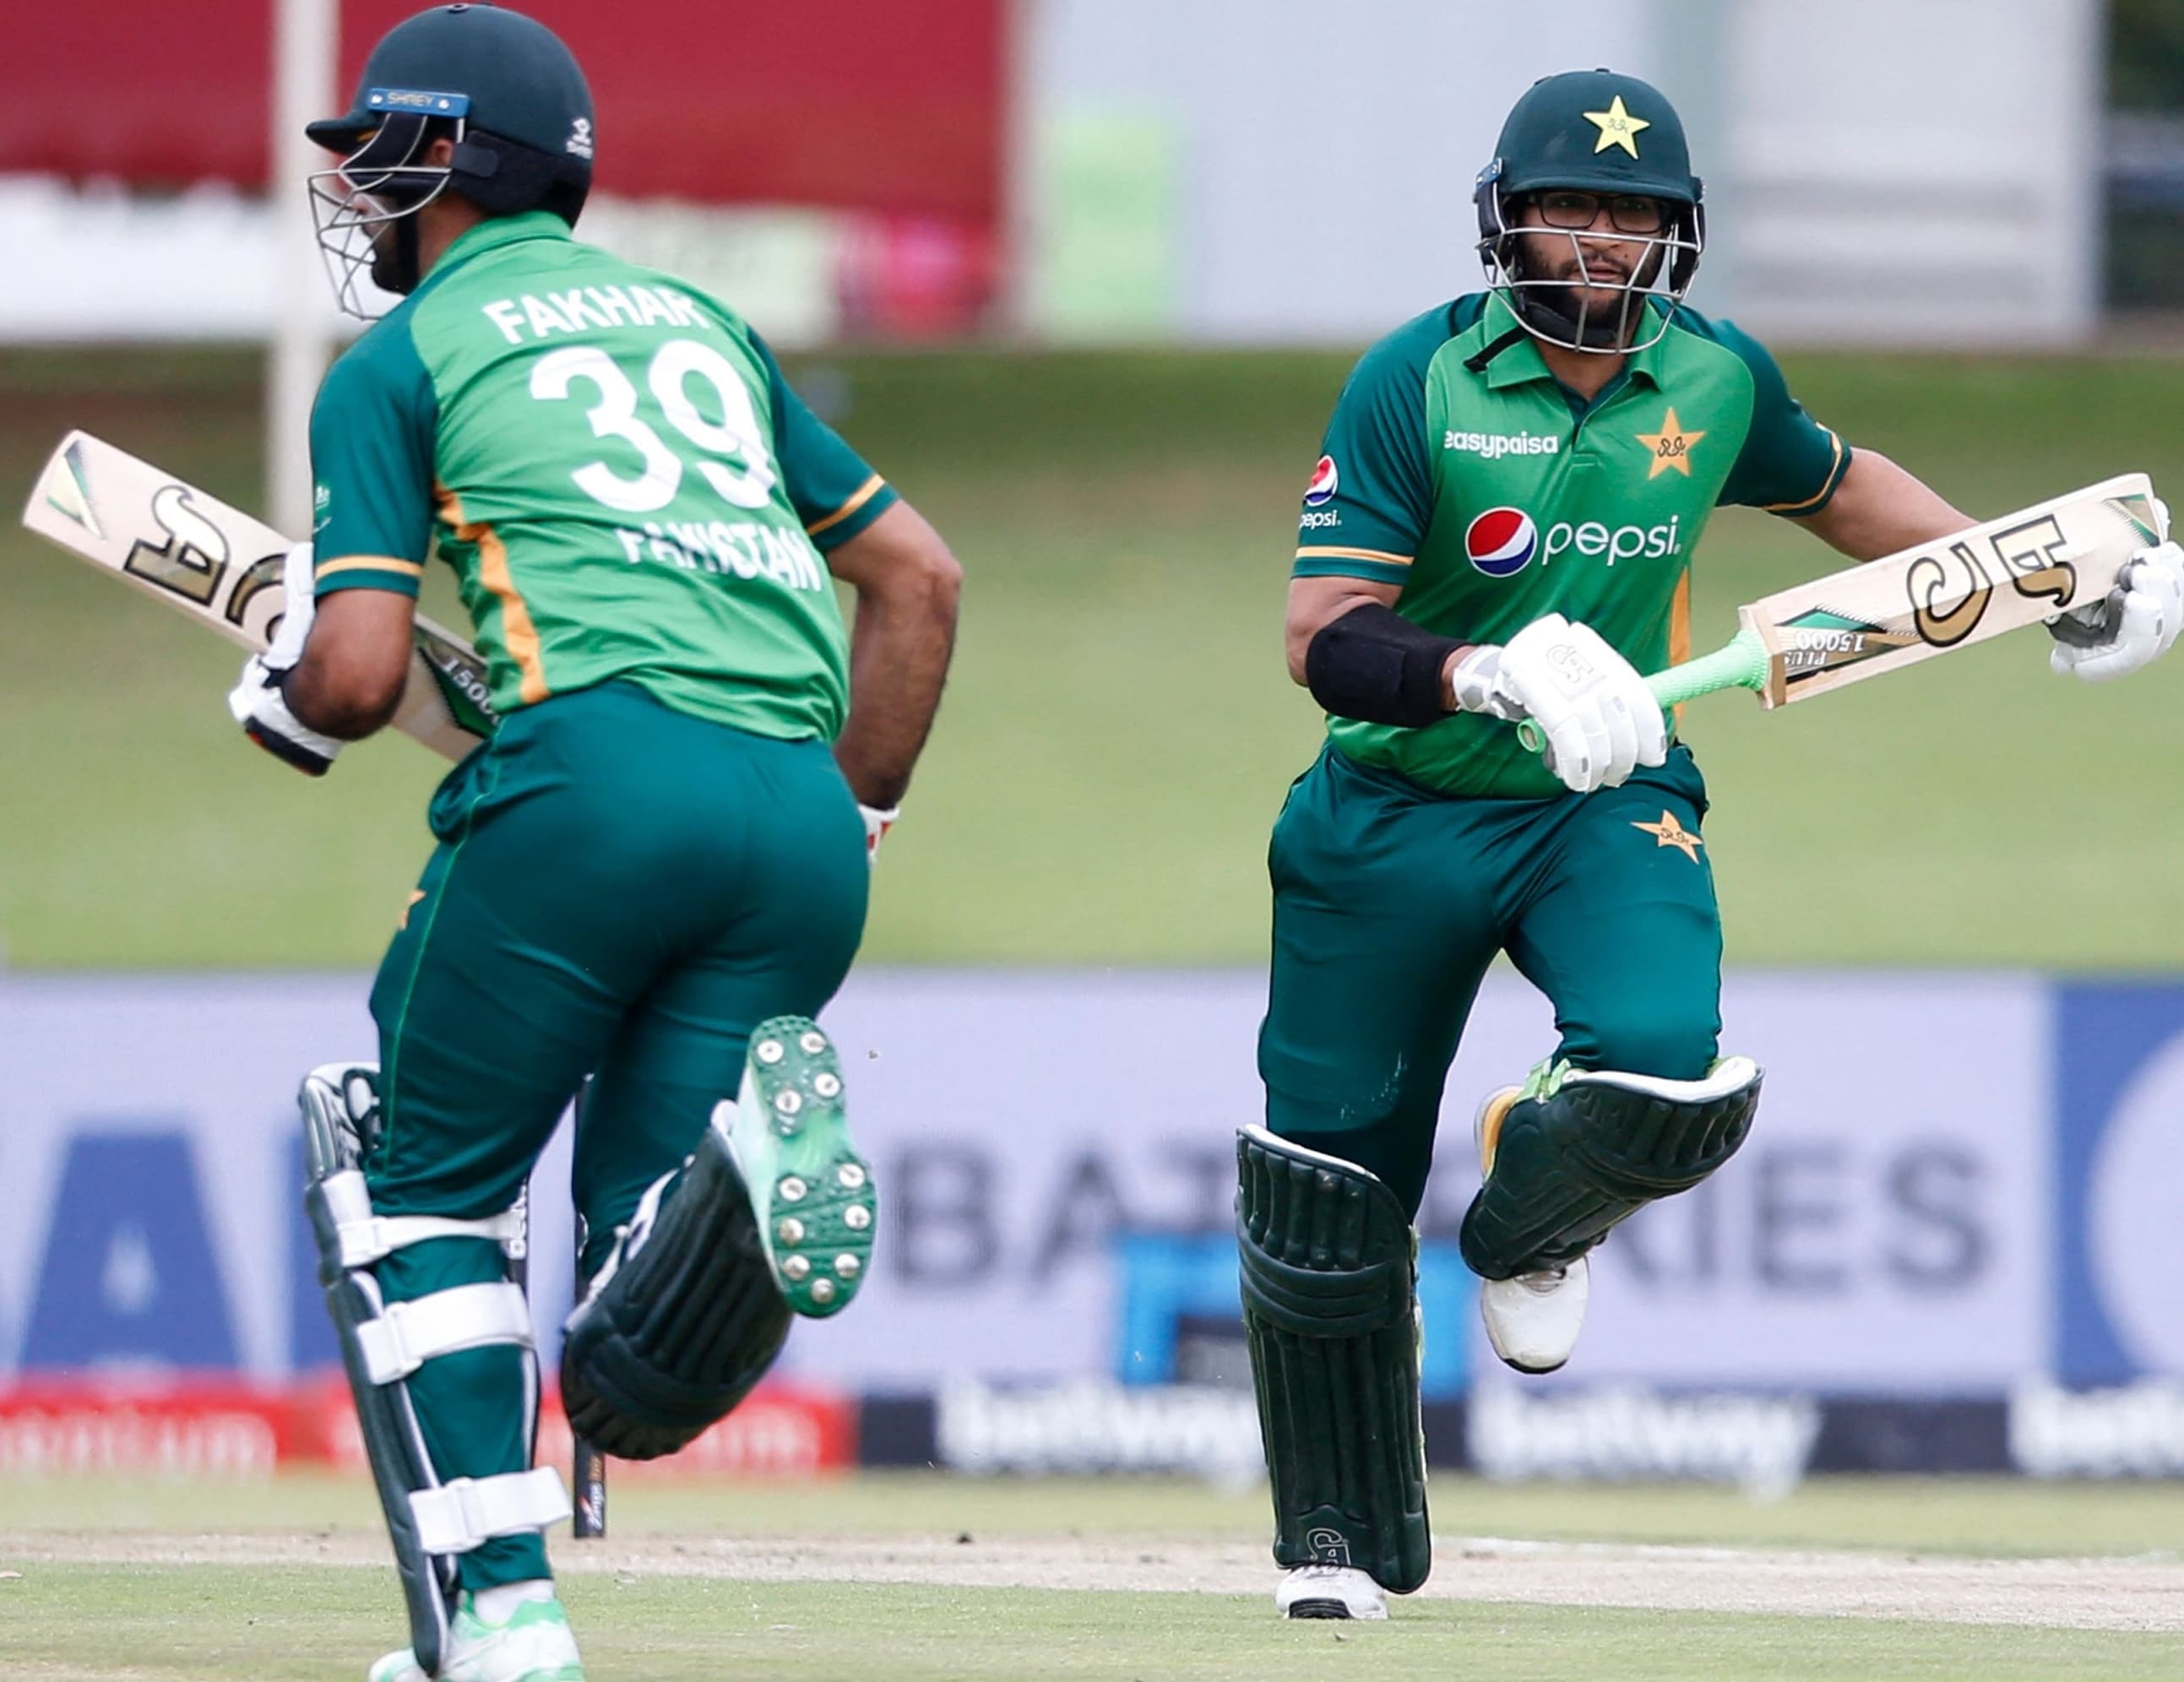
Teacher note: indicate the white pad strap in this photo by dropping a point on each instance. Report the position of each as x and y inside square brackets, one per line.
[367, 1237]
[1730, 1074]
[458, 1517]
[405, 1335]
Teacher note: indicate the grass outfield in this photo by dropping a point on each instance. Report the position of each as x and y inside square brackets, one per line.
[1120, 731]
[926, 1577]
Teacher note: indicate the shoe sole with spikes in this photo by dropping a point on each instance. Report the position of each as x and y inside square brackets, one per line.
[811, 1192]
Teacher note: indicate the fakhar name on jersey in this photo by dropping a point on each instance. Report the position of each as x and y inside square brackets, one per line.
[581, 309]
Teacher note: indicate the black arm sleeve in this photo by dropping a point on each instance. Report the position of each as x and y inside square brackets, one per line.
[1375, 666]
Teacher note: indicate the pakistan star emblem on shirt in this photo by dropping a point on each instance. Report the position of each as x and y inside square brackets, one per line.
[1670, 446]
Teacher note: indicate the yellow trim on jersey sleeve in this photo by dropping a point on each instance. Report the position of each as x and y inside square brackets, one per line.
[865, 491]
[1321, 553]
[1827, 484]
[516, 628]
[367, 562]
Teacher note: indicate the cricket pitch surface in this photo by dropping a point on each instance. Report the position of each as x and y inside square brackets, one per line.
[2064, 1593]
[933, 1577]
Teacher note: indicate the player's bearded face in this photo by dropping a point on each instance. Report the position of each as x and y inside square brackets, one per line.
[386, 262]
[1597, 247]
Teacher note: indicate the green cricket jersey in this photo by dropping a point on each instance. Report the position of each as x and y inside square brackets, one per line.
[614, 466]
[1494, 495]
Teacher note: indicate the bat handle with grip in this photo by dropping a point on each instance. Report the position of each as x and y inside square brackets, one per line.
[1741, 663]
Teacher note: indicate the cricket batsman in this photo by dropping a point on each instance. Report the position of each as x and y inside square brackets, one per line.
[653, 874]
[1500, 529]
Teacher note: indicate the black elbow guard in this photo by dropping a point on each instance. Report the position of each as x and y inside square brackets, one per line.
[1373, 665]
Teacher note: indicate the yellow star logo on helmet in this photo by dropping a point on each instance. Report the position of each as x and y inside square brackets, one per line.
[1617, 127]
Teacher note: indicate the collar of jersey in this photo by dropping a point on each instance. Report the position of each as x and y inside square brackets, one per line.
[1522, 363]
[495, 231]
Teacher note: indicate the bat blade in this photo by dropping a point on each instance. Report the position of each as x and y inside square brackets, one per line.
[215, 564]
[2020, 570]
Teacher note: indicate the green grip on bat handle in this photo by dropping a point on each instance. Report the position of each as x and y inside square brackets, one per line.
[1741, 663]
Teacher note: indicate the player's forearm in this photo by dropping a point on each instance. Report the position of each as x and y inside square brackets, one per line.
[1881, 510]
[349, 681]
[329, 705]
[904, 636]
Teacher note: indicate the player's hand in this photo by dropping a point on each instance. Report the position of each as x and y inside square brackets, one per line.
[877, 825]
[2132, 626]
[256, 700]
[1601, 721]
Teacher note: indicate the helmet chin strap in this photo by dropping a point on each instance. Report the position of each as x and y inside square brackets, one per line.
[1552, 311]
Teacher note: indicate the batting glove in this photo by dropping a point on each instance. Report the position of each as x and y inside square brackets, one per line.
[1600, 719]
[2132, 626]
[877, 825]
[256, 701]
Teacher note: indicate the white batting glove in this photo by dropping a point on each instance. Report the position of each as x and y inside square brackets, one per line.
[256, 701]
[1601, 721]
[877, 825]
[2132, 626]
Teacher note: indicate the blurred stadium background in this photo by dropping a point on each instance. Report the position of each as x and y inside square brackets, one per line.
[1083, 277]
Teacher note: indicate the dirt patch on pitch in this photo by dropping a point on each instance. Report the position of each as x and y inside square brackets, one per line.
[2071, 1593]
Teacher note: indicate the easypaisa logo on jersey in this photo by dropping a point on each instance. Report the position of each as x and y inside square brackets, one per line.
[1495, 445]
[1501, 542]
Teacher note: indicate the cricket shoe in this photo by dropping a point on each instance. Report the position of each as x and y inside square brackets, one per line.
[1330, 1591]
[1532, 1319]
[533, 1645]
[810, 1193]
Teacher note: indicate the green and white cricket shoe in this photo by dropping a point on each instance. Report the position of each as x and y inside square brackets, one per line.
[534, 1644]
[1532, 1319]
[810, 1193]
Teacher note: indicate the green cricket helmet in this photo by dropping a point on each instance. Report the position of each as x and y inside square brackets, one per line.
[1614, 136]
[501, 85]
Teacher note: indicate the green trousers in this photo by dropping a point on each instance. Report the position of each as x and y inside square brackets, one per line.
[620, 891]
[1390, 903]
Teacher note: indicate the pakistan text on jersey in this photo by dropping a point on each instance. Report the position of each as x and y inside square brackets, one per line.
[582, 308]
[1495, 445]
[745, 548]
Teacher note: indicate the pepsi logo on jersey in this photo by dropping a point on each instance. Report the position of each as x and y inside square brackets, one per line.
[1325, 481]
[1501, 542]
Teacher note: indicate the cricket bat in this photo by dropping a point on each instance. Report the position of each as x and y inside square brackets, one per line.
[2020, 570]
[223, 569]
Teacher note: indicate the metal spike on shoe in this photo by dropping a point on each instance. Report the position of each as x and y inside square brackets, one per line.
[791, 1138]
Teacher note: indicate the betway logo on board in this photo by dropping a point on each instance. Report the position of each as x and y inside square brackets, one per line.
[2133, 1431]
[1092, 1425]
[1761, 1443]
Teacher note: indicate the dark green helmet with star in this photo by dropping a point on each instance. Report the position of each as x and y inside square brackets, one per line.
[1619, 141]
[498, 84]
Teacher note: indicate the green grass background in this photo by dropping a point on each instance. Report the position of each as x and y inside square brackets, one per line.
[144, 1621]
[1119, 729]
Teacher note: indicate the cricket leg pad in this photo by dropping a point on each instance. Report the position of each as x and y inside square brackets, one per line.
[430, 1520]
[1581, 1149]
[683, 1320]
[1330, 1314]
